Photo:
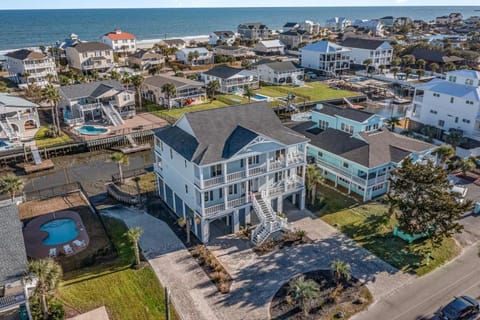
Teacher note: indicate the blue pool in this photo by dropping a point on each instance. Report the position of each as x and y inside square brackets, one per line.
[353, 80]
[91, 130]
[3, 144]
[260, 97]
[59, 231]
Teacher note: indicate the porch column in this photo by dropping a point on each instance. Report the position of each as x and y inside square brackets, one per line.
[294, 198]
[350, 187]
[201, 177]
[247, 192]
[224, 169]
[236, 221]
[336, 181]
[302, 200]
[225, 197]
[173, 203]
[248, 214]
[205, 230]
[202, 201]
[280, 204]
[246, 167]
[365, 192]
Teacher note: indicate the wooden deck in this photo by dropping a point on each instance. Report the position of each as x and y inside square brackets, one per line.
[140, 148]
[45, 165]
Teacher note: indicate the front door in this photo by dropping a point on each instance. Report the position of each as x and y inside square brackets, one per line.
[253, 185]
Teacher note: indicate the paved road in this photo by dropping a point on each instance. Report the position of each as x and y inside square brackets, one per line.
[420, 299]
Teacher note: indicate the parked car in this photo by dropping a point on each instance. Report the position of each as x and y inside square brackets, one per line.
[460, 308]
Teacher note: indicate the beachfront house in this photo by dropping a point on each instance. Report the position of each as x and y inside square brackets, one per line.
[440, 57]
[174, 43]
[187, 92]
[89, 56]
[281, 73]
[450, 104]
[27, 67]
[388, 21]
[237, 52]
[13, 264]
[222, 38]
[145, 59]
[215, 166]
[62, 46]
[18, 119]
[232, 80]
[373, 26]
[327, 57]
[354, 152]
[99, 101]
[253, 31]
[120, 41]
[451, 19]
[337, 24]
[269, 47]
[194, 56]
[379, 51]
[293, 38]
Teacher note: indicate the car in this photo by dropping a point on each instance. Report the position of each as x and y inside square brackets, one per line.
[460, 308]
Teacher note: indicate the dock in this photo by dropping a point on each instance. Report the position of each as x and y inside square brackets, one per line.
[44, 165]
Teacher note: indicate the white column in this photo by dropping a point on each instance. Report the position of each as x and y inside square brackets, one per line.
[280, 204]
[336, 181]
[294, 198]
[248, 214]
[202, 200]
[236, 221]
[201, 177]
[302, 200]
[246, 167]
[173, 201]
[225, 197]
[205, 230]
[247, 192]
[224, 171]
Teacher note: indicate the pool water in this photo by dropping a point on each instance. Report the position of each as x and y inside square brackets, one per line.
[358, 79]
[59, 231]
[260, 97]
[91, 130]
[3, 144]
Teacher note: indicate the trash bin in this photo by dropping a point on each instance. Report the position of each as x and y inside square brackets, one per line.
[476, 208]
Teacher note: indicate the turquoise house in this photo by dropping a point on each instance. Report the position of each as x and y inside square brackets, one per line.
[354, 150]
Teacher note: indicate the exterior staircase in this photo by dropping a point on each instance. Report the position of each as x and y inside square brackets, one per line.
[269, 221]
[112, 114]
[36, 155]
[5, 126]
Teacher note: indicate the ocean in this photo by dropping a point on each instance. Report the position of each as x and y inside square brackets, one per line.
[29, 28]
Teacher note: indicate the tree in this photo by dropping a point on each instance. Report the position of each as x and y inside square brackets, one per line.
[52, 96]
[304, 291]
[424, 203]
[450, 66]
[420, 73]
[313, 180]
[246, 64]
[34, 93]
[126, 80]
[434, 67]
[48, 274]
[381, 68]
[429, 131]
[212, 87]
[408, 71]
[137, 81]
[12, 185]
[444, 153]
[392, 122]
[169, 90]
[115, 75]
[395, 71]
[420, 63]
[408, 60]
[249, 93]
[340, 270]
[121, 160]
[465, 165]
[455, 138]
[134, 235]
[367, 63]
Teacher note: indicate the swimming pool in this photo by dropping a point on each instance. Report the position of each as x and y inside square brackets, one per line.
[91, 130]
[353, 80]
[260, 97]
[59, 231]
[3, 144]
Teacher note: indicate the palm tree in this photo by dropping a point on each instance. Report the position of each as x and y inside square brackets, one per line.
[434, 67]
[48, 274]
[450, 66]
[120, 159]
[408, 60]
[126, 80]
[341, 270]
[52, 96]
[455, 138]
[444, 153]
[313, 179]
[134, 235]
[304, 291]
[392, 122]
[408, 71]
[420, 73]
[465, 165]
[137, 81]
[212, 87]
[381, 68]
[395, 71]
[169, 90]
[420, 63]
[249, 93]
[115, 75]
[12, 185]
[367, 64]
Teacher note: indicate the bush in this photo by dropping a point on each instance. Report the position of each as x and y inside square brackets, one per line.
[55, 307]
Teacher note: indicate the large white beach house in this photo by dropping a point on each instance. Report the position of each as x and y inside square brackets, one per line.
[214, 166]
[327, 57]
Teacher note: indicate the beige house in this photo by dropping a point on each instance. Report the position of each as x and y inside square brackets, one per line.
[89, 56]
[145, 59]
[30, 67]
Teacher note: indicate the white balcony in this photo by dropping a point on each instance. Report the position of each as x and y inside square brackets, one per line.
[295, 158]
[212, 210]
[343, 173]
[236, 202]
[207, 183]
[275, 165]
[236, 176]
[257, 170]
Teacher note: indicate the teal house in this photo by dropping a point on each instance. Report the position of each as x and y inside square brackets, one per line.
[354, 150]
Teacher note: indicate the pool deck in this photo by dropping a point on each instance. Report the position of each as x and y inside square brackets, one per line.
[34, 236]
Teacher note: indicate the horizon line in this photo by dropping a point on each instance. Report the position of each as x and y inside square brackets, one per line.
[246, 7]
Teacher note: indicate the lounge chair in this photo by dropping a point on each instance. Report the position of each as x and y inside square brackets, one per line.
[53, 252]
[68, 249]
[79, 243]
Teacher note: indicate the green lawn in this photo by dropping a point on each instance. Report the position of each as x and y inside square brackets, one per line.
[315, 90]
[271, 91]
[371, 227]
[43, 141]
[177, 113]
[126, 293]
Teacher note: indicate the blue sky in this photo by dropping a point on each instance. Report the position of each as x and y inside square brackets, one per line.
[57, 4]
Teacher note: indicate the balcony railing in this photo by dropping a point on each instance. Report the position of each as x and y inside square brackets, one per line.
[235, 176]
[274, 165]
[90, 106]
[347, 175]
[206, 183]
[236, 202]
[11, 301]
[257, 170]
[295, 158]
[214, 209]
[277, 190]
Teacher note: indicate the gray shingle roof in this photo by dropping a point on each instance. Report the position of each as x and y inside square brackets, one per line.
[91, 46]
[223, 71]
[24, 54]
[224, 33]
[363, 43]
[434, 56]
[220, 133]
[13, 257]
[349, 113]
[178, 82]
[283, 66]
[91, 89]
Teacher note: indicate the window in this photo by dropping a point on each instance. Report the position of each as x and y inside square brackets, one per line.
[452, 99]
[347, 128]
[465, 120]
[186, 189]
[208, 196]
[216, 170]
[433, 111]
[436, 95]
[379, 187]
[232, 189]
[254, 160]
[278, 176]
[368, 128]
[345, 165]
[319, 154]
[456, 120]
[185, 161]
[375, 126]
[161, 145]
[171, 153]
[241, 163]
[441, 123]
[220, 193]
[469, 102]
[322, 124]
[469, 82]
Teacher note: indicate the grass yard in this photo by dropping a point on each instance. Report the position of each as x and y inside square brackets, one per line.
[44, 141]
[271, 91]
[315, 90]
[126, 293]
[177, 113]
[370, 226]
[147, 182]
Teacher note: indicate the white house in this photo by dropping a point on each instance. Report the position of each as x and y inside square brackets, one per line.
[30, 67]
[379, 51]
[253, 31]
[215, 167]
[374, 26]
[270, 47]
[327, 57]
[225, 37]
[293, 38]
[194, 56]
[18, 118]
[450, 104]
[120, 41]
[281, 73]
[452, 18]
[232, 80]
[337, 24]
